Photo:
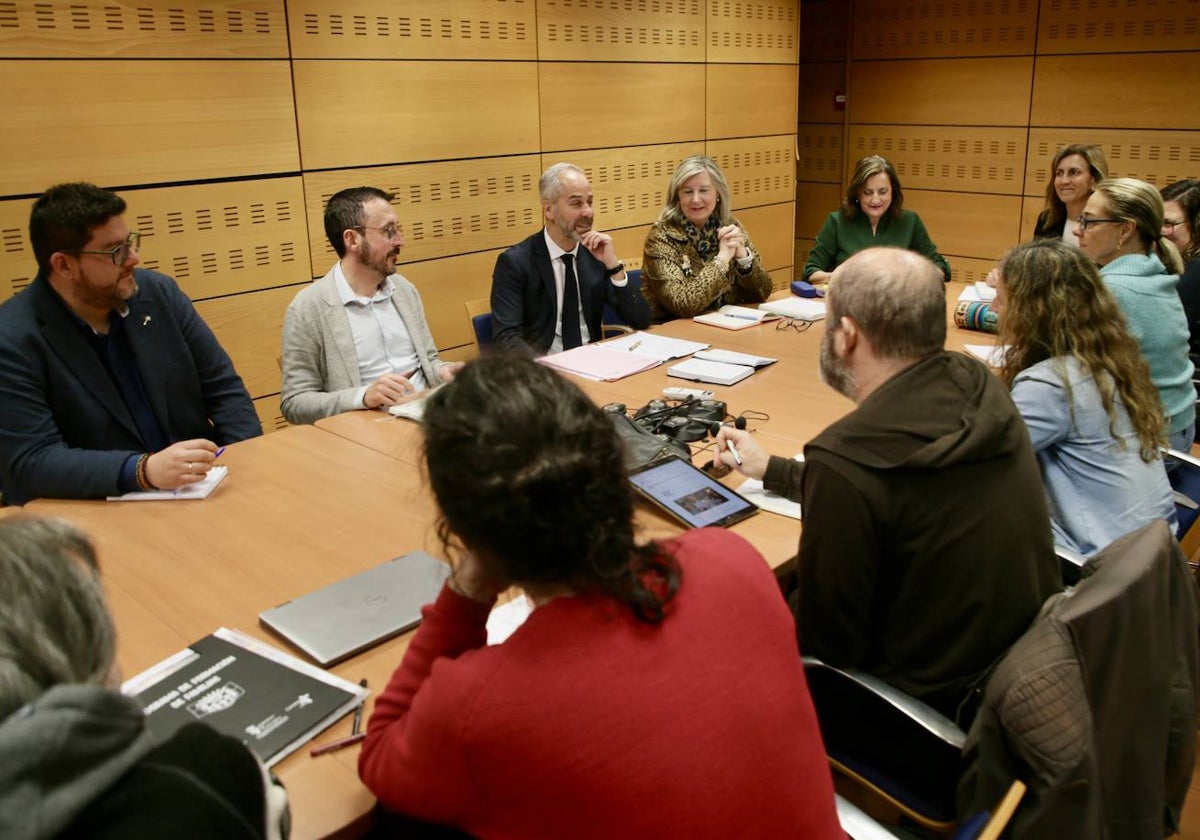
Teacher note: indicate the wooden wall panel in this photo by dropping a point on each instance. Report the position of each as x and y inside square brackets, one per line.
[760, 170]
[771, 230]
[971, 270]
[824, 30]
[1112, 91]
[1030, 208]
[445, 285]
[927, 28]
[946, 157]
[444, 208]
[629, 184]
[968, 225]
[630, 243]
[1160, 157]
[941, 92]
[819, 148]
[353, 113]
[461, 29]
[1096, 26]
[635, 105]
[620, 30]
[143, 29]
[818, 84]
[760, 31]
[813, 203]
[223, 238]
[250, 328]
[169, 121]
[17, 265]
[747, 100]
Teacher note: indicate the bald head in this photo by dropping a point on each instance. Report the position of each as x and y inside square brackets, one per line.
[896, 297]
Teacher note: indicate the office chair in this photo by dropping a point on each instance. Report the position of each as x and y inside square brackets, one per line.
[611, 318]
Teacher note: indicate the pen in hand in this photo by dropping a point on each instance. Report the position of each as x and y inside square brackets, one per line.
[733, 451]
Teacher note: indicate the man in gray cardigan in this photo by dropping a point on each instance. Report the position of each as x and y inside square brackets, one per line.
[357, 338]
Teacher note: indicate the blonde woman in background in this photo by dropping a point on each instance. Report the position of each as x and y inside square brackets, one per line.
[1120, 230]
[1076, 170]
[697, 255]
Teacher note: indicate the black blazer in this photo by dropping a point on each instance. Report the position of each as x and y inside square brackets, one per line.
[65, 430]
[524, 302]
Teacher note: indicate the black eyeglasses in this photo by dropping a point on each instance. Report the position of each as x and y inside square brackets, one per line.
[118, 253]
[796, 324]
[391, 231]
[1084, 222]
[1169, 226]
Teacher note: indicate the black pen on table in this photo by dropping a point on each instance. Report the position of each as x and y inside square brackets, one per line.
[356, 733]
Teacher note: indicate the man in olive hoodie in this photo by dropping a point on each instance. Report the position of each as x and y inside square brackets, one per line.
[926, 548]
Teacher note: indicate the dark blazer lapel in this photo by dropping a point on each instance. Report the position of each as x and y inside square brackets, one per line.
[591, 280]
[65, 338]
[541, 259]
[144, 326]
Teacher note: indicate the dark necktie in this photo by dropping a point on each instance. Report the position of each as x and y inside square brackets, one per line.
[570, 307]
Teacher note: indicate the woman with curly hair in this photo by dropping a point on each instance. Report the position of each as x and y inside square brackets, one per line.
[642, 668]
[1081, 384]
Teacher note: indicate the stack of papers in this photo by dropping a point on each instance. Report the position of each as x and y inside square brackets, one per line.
[990, 354]
[732, 317]
[718, 373]
[802, 309]
[659, 347]
[600, 362]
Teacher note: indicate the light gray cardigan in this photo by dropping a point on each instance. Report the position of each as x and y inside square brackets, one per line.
[320, 366]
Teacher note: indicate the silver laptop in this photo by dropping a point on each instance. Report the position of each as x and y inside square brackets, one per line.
[354, 614]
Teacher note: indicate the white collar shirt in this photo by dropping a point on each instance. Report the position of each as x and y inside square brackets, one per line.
[382, 343]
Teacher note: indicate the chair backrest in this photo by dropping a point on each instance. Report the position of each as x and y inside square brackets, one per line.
[479, 312]
[635, 280]
[1095, 706]
[1185, 481]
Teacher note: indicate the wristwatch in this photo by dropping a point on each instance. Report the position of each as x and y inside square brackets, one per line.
[615, 270]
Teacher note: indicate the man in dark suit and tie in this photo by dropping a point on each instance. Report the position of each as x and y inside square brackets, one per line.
[109, 379]
[548, 294]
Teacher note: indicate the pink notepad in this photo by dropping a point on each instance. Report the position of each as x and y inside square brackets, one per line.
[595, 361]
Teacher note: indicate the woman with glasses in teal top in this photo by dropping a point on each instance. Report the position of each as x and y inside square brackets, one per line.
[872, 213]
[1120, 230]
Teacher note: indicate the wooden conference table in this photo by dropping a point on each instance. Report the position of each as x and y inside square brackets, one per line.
[309, 505]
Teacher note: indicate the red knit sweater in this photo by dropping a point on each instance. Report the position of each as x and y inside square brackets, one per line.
[589, 723]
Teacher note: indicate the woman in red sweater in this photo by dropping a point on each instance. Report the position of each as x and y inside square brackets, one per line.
[655, 691]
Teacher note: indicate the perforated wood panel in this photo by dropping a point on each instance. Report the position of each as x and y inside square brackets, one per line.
[620, 30]
[760, 170]
[630, 244]
[942, 92]
[946, 158]
[250, 327]
[935, 28]
[970, 225]
[356, 113]
[1086, 26]
[771, 229]
[1126, 91]
[444, 208]
[824, 28]
[753, 31]
[969, 270]
[17, 265]
[629, 183]
[1160, 157]
[225, 238]
[750, 100]
[820, 148]
[182, 121]
[465, 29]
[638, 105]
[803, 249]
[143, 29]
[818, 85]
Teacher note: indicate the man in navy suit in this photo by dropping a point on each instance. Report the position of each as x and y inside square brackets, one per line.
[548, 293]
[109, 379]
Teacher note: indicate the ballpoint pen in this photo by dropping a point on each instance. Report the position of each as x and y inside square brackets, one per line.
[635, 345]
[741, 317]
[733, 451]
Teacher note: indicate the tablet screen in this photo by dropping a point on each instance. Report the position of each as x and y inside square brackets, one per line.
[689, 494]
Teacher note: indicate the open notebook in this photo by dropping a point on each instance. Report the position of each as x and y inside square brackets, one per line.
[731, 317]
